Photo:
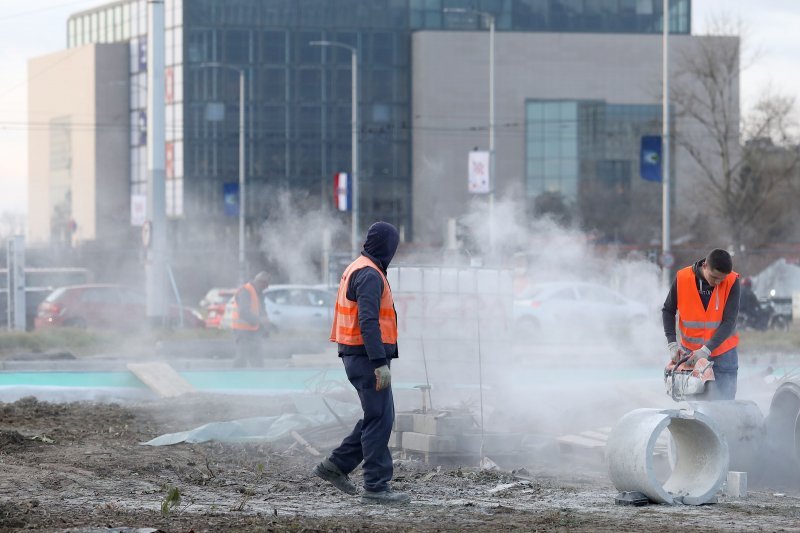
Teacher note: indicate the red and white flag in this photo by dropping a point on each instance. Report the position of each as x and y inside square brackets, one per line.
[342, 191]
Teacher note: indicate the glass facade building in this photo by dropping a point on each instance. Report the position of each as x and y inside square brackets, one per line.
[568, 142]
[298, 97]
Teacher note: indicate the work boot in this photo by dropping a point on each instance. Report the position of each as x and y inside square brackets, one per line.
[331, 473]
[385, 497]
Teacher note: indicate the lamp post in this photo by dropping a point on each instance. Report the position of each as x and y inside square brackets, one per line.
[666, 256]
[491, 20]
[354, 236]
[242, 197]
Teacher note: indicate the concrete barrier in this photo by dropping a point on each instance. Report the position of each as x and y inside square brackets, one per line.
[701, 456]
[742, 424]
[783, 421]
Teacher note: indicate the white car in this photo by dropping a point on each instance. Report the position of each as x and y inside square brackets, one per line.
[565, 309]
[299, 307]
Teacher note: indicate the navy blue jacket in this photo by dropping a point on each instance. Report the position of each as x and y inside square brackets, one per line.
[366, 288]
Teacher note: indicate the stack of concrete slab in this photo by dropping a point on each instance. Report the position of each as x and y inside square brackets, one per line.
[444, 436]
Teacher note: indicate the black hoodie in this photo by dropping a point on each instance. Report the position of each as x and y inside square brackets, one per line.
[729, 314]
[366, 288]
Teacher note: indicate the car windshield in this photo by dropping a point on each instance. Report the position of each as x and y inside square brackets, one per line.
[55, 295]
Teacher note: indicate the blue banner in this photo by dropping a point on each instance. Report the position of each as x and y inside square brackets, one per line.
[650, 159]
[230, 199]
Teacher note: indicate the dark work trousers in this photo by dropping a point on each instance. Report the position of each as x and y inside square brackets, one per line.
[369, 440]
[726, 370]
[249, 349]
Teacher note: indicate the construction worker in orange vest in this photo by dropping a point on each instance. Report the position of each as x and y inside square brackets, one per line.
[705, 297]
[365, 329]
[249, 321]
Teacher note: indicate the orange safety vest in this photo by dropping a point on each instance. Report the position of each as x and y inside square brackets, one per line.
[346, 329]
[236, 322]
[698, 324]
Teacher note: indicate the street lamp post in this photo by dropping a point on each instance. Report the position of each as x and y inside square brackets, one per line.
[666, 253]
[354, 236]
[242, 197]
[491, 20]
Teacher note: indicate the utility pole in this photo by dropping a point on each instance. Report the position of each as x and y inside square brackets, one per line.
[666, 253]
[155, 229]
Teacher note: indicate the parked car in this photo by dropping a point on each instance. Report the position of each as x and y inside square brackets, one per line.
[214, 305]
[104, 306]
[299, 307]
[566, 308]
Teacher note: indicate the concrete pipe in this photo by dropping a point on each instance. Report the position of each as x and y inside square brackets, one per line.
[701, 456]
[783, 422]
[742, 424]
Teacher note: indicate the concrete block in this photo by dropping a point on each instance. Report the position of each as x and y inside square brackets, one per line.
[467, 282]
[450, 424]
[391, 277]
[419, 442]
[506, 283]
[448, 280]
[432, 280]
[736, 485]
[403, 422]
[396, 440]
[409, 279]
[488, 282]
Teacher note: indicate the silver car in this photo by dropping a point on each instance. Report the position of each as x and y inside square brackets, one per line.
[299, 307]
[568, 308]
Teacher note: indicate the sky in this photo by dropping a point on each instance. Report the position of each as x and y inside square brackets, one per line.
[29, 28]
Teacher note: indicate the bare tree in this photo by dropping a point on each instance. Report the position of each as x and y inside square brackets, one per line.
[740, 178]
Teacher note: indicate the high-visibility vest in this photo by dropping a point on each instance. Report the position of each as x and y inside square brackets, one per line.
[346, 329]
[698, 324]
[238, 323]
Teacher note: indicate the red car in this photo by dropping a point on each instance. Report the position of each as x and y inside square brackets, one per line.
[104, 306]
[214, 305]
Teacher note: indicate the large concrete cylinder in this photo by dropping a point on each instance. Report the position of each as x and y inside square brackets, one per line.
[701, 455]
[783, 422]
[742, 424]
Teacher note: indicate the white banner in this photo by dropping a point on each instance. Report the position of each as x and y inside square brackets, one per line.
[479, 173]
[138, 209]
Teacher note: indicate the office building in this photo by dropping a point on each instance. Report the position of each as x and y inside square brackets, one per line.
[576, 85]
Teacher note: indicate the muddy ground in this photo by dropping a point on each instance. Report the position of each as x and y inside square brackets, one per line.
[81, 467]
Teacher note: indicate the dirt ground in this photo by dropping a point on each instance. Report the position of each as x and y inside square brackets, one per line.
[80, 467]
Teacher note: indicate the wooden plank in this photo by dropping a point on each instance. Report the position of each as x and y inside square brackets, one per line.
[595, 435]
[161, 379]
[304, 443]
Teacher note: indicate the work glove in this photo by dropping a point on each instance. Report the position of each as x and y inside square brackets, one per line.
[383, 377]
[675, 352]
[701, 353]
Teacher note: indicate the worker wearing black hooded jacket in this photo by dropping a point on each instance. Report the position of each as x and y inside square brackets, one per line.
[365, 329]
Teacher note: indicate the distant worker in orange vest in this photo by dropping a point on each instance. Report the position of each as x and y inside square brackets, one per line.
[705, 297]
[249, 322]
[365, 329]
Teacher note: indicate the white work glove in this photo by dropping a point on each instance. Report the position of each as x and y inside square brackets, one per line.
[674, 351]
[383, 377]
[701, 353]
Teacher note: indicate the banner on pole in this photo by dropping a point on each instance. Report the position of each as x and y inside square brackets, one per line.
[230, 199]
[342, 193]
[479, 173]
[138, 209]
[650, 158]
